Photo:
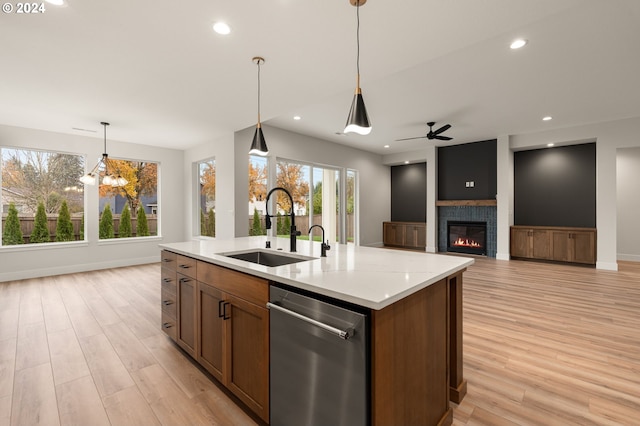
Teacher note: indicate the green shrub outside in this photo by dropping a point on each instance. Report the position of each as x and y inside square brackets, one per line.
[64, 227]
[203, 224]
[143, 227]
[12, 234]
[256, 228]
[106, 223]
[124, 231]
[40, 233]
[211, 223]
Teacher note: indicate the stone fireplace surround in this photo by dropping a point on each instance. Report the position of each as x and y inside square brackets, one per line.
[468, 213]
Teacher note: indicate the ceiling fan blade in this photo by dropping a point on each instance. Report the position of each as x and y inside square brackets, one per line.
[442, 129]
[408, 139]
[443, 138]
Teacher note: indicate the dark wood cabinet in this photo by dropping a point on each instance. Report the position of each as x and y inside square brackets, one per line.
[576, 245]
[186, 301]
[232, 325]
[405, 234]
[168, 300]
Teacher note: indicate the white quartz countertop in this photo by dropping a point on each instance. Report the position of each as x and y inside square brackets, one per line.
[366, 276]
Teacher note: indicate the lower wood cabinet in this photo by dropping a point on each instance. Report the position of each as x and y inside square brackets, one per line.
[233, 345]
[405, 234]
[576, 245]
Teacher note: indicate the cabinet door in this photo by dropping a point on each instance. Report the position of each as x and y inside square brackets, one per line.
[583, 247]
[415, 236]
[541, 248]
[520, 242]
[393, 234]
[186, 336]
[211, 330]
[248, 354]
[561, 241]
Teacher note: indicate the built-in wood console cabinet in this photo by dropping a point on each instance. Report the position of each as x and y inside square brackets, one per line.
[561, 244]
[411, 235]
[219, 317]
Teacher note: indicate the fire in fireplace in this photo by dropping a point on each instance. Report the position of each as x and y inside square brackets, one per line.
[467, 237]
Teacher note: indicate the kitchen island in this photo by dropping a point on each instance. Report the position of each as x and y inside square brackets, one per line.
[414, 300]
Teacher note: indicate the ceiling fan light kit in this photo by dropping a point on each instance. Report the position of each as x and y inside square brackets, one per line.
[259, 144]
[358, 119]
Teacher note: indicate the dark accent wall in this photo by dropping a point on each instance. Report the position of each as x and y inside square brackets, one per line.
[555, 186]
[409, 193]
[472, 162]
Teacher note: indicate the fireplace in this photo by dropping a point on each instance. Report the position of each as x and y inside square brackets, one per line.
[467, 237]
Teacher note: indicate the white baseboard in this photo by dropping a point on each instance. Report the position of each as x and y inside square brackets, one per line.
[503, 256]
[71, 269]
[629, 257]
[607, 266]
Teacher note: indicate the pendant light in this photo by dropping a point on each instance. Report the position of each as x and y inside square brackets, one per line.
[259, 145]
[109, 179]
[358, 120]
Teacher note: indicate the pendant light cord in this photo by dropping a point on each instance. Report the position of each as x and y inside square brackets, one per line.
[258, 91]
[358, 40]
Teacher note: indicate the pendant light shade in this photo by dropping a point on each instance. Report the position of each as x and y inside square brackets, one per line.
[108, 179]
[358, 119]
[259, 145]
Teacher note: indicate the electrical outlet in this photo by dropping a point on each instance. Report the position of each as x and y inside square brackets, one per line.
[466, 184]
[472, 184]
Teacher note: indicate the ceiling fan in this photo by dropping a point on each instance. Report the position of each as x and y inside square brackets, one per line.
[433, 134]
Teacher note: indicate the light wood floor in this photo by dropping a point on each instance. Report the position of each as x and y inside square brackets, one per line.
[543, 345]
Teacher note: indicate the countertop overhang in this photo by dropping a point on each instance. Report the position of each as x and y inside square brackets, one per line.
[371, 277]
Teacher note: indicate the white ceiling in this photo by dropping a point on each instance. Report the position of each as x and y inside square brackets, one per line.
[161, 76]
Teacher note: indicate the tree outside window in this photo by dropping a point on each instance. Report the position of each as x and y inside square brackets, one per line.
[35, 180]
[140, 194]
[207, 198]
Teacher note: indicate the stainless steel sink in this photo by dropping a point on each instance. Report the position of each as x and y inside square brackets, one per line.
[267, 258]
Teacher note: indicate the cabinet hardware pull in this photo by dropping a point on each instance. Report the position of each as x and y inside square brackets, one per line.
[224, 311]
[343, 334]
[184, 280]
[220, 314]
[166, 260]
[184, 266]
[167, 325]
[166, 280]
[167, 302]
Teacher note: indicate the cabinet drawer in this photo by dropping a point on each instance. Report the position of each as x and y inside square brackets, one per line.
[244, 286]
[186, 266]
[168, 280]
[168, 260]
[168, 303]
[169, 325]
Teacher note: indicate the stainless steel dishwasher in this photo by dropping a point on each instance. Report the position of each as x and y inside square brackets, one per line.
[319, 362]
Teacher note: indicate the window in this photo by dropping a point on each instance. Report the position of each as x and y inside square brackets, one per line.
[42, 200]
[258, 173]
[316, 196]
[128, 211]
[207, 197]
[352, 203]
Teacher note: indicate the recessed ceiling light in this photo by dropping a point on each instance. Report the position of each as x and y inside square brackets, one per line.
[56, 2]
[550, 144]
[221, 28]
[386, 146]
[296, 117]
[518, 43]
[406, 162]
[547, 118]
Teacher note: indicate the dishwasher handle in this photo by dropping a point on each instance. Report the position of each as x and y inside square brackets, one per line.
[343, 334]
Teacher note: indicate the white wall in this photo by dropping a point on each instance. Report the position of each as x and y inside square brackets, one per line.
[374, 177]
[222, 151]
[628, 199]
[51, 259]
